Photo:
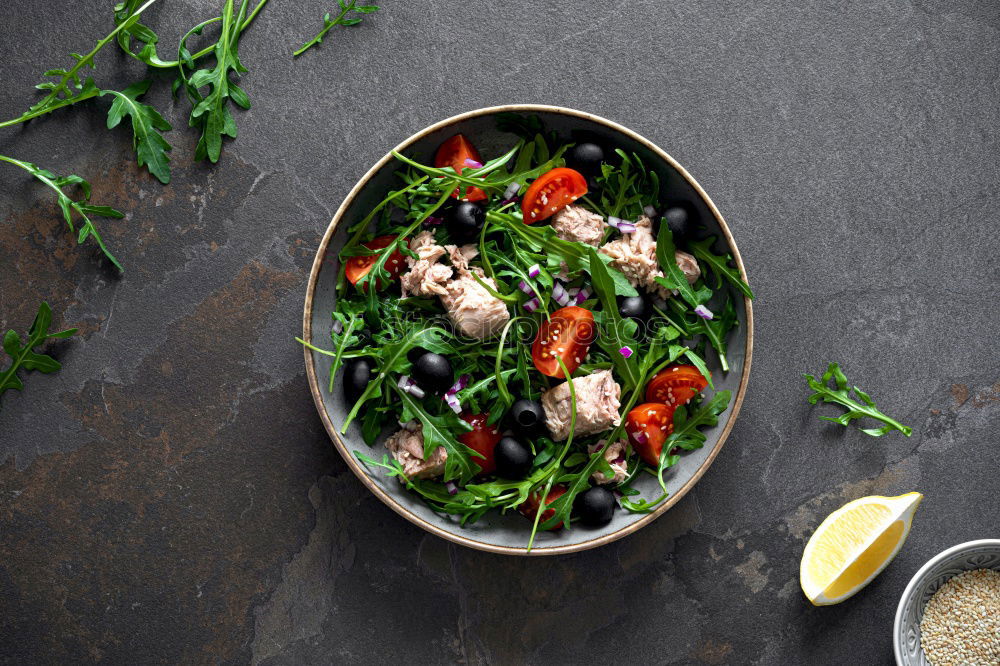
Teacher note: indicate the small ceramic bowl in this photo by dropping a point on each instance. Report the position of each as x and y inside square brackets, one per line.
[982, 554]
[509, 533]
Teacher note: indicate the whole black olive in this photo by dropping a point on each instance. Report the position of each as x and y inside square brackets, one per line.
[634, 307]
[357, 374]
[585, 157]
[465, 220]
[681, 220]
[527, 418]
[595, 506]
[433, 373]
[513, 458]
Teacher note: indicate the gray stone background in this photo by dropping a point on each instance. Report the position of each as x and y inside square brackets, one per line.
[170, 496]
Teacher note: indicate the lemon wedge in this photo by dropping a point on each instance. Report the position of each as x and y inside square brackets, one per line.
[853, 545]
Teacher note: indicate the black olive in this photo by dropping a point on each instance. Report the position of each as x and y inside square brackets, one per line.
[415, 353]
[527, 418]
[513, 458]
[357, 374]
[595, 506]
[465, 220]
[433, 373]
[681, 220]
[634, 307]
[585, 157]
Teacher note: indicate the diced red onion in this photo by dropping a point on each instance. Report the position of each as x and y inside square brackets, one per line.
[614, 221]
[532, 305]
[451, 487]
[625, 351]
[640, 437]
[627, 228]
[559, 294]
[583, 295]
[462, 382]
[508, 200]
[534, 270]
[525, 287]
[454, 403]
[472, 164]
[703, 312]
[511, 190]
[338, 326]
[405, 382]
[619, 460]
[649, 211]
[433, 221]
[416, 391]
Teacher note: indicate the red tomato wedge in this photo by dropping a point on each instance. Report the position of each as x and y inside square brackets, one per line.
[357, 267]
[482, 439]
[567, 333]
[647, 427]
[453, 153]
[551, 192]
[530, 506]
[676, 385]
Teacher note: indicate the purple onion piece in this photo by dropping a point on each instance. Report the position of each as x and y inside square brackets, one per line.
[559, 294]
[534, 270]
[433, 221]
[703, 312]
[625, 351]
[640, 437]
[472, 164]
[511, 190]
[338, 326]
[626, 228]
[582, 296]
[525, 287]
[508, 200]
[454, 403]
[416, 391]
[614, 221]
[462, 382]
[405, 382]
[532, 305]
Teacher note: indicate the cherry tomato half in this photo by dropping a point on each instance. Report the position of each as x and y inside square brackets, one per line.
[453, 153]
[676, 385]
[357, 267]
[567, 334]
[551, 192]
[530, 506]
[647, 427]
[482, 439]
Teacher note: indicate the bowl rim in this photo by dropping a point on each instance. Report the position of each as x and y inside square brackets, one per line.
[897, 624]
[355, 466]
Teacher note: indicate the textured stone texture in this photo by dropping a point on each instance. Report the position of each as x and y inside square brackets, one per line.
[171, 496]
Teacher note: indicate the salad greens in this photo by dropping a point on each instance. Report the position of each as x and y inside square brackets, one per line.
[841, 395]
[23, 355]
[530, 269]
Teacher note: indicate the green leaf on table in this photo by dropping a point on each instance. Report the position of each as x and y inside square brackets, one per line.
[24, 355]
[346, 8]
[147, 124]
[840, 394]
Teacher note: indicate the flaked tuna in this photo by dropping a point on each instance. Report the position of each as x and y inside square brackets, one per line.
[598, 399]
[407, 447]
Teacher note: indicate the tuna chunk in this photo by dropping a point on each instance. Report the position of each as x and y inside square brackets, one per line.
[576, 223]
[615, 455]
[597, 403]
[634, 255]
[475, 311]
[407, 447]
[426, 277]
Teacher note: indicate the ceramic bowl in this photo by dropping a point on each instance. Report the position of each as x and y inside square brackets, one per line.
[982, 554]
[509, 533]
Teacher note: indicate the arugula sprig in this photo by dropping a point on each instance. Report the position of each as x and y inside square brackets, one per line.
[24, 355]
[147, 124]
[617, 333]
[720, 265]
[69, 206]
[628, 188]
[346, 7]
[841, 395]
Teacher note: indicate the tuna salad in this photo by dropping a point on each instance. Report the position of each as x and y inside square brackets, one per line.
[532, 332]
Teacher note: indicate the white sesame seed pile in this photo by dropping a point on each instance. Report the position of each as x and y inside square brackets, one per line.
[961, 625]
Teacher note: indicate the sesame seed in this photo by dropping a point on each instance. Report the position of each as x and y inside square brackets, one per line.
[961, 623]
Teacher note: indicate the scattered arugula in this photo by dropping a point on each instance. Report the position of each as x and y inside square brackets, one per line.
[150, 147]
[346, 7]
[24, 355]
[841, 395]
[68, 205]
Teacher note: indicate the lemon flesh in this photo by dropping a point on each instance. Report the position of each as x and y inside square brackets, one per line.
[853, 545]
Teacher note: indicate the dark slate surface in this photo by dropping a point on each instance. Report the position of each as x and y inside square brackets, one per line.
[170, 496]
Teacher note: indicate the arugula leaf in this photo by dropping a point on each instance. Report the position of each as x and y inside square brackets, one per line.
[841, 395]
[24, 356]
[68, 205]
[628, 188]
[673, 277]
[346, 6]
[150, 146]
[210, 113]
[437, 431]
[720, 265]
[618, 333]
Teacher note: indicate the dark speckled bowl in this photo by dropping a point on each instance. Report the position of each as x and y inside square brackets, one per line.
[509, 533]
